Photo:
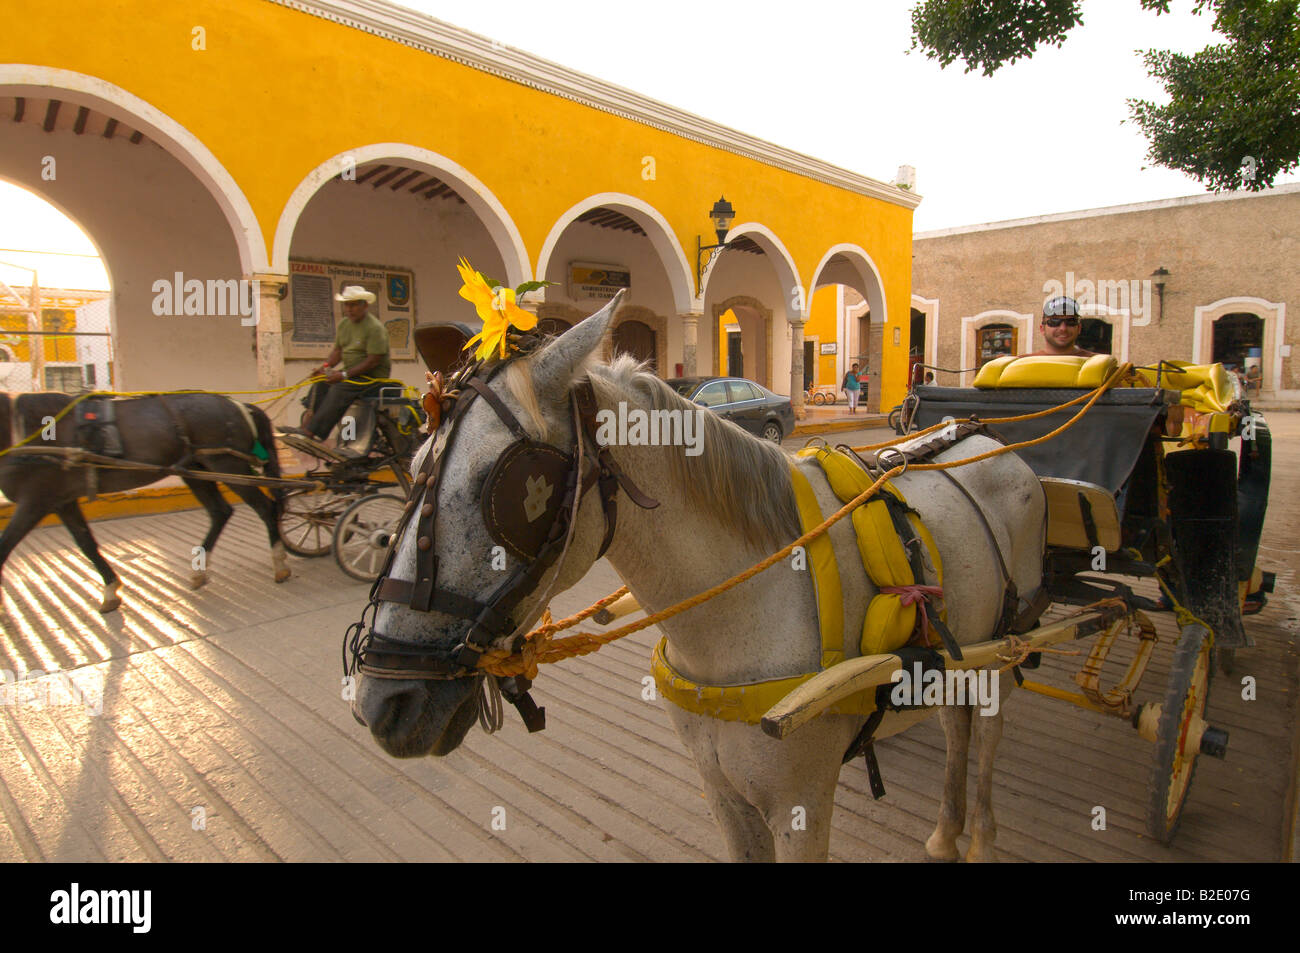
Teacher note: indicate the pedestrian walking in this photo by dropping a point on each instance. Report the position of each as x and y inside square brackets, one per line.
[852, 387]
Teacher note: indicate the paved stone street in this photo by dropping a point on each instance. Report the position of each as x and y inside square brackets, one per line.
[223, 735]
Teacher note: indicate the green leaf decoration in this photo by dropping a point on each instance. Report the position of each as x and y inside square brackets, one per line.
[528, 286]
[491, 282]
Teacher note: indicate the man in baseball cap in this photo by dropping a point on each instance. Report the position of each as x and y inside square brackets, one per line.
[361, 346]
[1061, 326]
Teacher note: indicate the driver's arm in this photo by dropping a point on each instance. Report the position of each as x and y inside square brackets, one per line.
[361, 370]
[336, 355]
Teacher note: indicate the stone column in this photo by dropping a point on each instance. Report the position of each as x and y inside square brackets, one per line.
[269, 331]
[690, 340]
[796, 369]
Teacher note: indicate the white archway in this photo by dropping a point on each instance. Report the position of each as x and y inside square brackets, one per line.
[1273, 314]
[798, 303]
[486, 206]
[855, 270]
[657, 229]
[970, 325]
[21, 79]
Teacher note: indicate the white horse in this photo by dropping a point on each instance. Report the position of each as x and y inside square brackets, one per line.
[721, 511]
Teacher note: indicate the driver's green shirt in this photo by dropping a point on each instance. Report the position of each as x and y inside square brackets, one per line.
[360, 340]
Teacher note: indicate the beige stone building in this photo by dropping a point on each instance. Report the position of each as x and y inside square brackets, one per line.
[1203, 278]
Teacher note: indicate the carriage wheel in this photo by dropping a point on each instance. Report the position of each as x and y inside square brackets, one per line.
[1182, 733]
[819, 399]
[307, 519]
[896, 420]
[362, 535]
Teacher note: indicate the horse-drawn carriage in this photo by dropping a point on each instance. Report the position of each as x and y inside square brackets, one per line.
[1144, 485]
[350, 512]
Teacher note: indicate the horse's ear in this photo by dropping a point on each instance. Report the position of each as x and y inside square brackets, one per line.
[556, 365]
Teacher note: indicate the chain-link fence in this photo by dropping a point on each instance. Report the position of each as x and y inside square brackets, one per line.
[65, 361]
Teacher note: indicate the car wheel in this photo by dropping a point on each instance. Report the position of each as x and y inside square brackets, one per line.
[772, 431]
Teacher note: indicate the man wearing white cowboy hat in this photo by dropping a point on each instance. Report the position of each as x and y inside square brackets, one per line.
[361, 344]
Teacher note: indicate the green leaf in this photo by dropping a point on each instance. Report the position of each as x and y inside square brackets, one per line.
[528, 286]
[491, 282]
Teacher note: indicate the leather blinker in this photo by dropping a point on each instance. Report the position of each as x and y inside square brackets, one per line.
[523, 495]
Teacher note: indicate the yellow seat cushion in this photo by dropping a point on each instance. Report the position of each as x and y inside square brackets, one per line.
[1046, 370]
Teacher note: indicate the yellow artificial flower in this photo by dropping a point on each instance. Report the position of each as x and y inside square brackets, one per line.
[496, 308]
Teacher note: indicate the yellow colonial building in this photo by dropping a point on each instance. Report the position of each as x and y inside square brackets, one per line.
[236, 161]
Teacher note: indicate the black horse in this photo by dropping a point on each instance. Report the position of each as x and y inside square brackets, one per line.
[194, 431]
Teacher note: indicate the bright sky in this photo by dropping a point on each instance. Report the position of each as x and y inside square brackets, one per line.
[832, 80]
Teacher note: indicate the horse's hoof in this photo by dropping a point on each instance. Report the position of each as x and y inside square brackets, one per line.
[110, 605]
[198, 580]
[941, 860]
[282, 574]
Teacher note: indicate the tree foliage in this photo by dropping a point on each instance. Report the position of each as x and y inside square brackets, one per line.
[1233, 115]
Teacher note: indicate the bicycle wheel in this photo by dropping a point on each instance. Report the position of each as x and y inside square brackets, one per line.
[363, 532]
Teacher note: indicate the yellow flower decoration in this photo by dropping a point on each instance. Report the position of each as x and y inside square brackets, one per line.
[497, 308]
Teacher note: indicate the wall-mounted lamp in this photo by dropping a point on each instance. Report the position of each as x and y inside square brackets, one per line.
[722, 214]
[1158, 278]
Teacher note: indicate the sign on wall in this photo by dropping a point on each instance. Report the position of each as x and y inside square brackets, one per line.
[599, 282]
[830, 348]
[315, 315]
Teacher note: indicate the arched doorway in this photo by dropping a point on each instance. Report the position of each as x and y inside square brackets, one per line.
[637, 339]
[165, 219]
[744, 328]
[396, 224]
[598, 247]
[849, 269]
[1239, 341]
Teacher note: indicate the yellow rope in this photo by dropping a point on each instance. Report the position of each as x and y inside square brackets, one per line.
[540, 648]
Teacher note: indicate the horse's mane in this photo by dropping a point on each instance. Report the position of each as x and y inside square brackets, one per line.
[741, 480]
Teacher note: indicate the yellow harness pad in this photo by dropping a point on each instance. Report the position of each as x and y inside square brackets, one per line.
[889, 623]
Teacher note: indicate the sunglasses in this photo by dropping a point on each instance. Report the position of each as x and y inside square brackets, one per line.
[1057, 322]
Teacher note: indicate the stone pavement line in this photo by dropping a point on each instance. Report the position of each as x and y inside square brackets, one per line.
[236, 687]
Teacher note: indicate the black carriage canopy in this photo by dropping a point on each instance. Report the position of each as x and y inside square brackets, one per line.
[1101, 448]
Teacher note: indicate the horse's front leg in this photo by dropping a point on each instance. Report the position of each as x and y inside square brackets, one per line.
[76, 523]
[942, 844]
[792, 782]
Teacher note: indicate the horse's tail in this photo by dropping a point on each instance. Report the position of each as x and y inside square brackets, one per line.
[266, 437]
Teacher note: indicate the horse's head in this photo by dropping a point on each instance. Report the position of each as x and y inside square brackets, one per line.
[483, 546]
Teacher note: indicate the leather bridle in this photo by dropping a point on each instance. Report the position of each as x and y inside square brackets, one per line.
[379, 656]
